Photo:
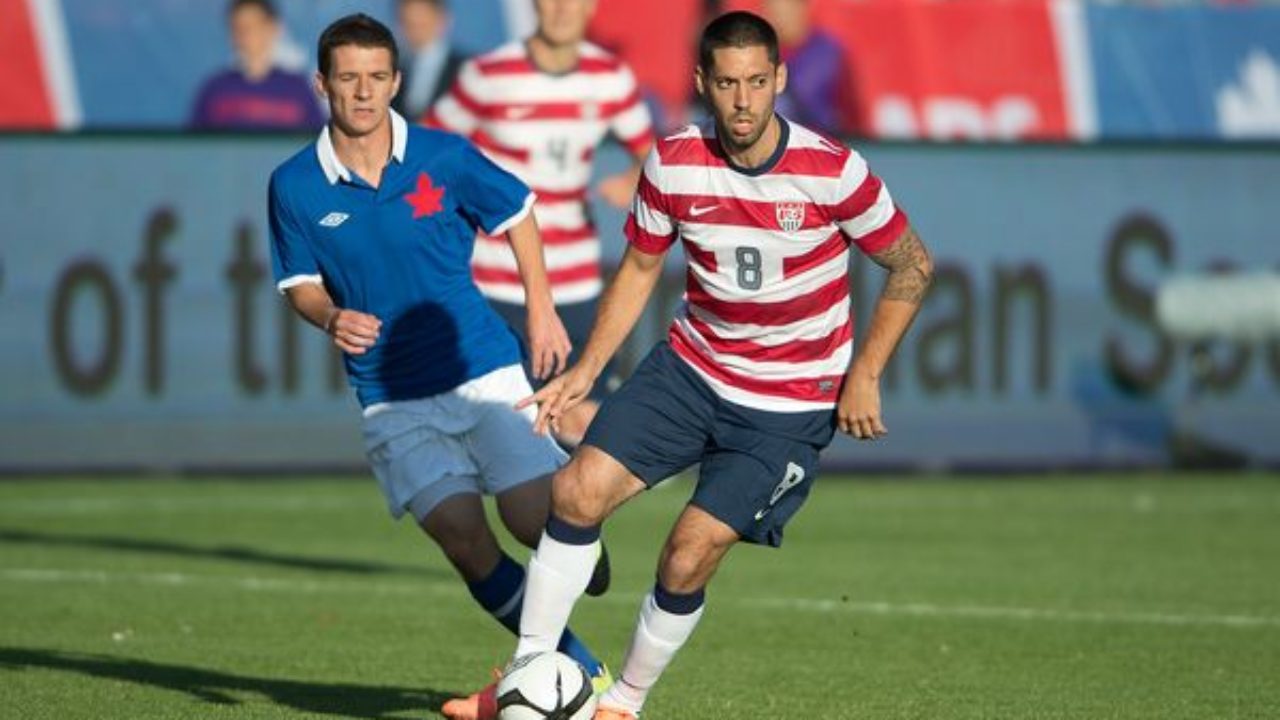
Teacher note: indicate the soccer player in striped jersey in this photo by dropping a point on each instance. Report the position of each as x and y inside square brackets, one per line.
[758, 371]
[539, 108]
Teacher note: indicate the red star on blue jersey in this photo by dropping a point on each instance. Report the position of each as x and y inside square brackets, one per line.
[425, 199]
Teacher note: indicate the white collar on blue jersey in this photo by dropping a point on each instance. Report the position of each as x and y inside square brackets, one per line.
[335, 170]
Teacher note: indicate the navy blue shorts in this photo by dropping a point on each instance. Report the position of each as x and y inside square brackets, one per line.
[756, 467]
[578, 319]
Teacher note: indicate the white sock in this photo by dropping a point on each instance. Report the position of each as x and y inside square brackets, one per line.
[659, 635]
[558, 575]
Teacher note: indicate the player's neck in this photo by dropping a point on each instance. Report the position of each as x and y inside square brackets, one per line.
[552, 59]
[760, 152]
[365, 155]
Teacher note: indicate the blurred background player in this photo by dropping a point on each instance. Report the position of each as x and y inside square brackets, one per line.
[759, 369]
[819, 92]
[540, 107]
[429, 64]
[256, 94]
[387, 277]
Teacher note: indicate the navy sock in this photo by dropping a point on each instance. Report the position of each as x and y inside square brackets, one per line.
[502, 595]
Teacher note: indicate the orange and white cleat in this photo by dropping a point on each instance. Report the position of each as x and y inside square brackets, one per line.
[481, 705]
[608, 713]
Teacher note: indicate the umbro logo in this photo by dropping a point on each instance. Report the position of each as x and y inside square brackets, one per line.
[333, 219]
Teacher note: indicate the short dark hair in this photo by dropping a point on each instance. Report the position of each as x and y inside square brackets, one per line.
[738, 29]
[358, 29]
[441, 4]
[265, 6]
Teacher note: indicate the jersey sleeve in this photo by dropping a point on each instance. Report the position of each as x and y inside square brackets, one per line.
[458, 110]
[292, 262]
[491, 198]
[632, 123]
[650, 227]
[865, 211]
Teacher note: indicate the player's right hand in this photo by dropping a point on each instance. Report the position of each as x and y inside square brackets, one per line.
[354, 332]
[558, 397]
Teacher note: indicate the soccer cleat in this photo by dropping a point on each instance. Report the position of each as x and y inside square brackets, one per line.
[601, 576]
[482, 705]
[605, 713]
[601, 680]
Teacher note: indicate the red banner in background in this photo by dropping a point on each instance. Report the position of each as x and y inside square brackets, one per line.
[25, 98]
[980, 69]
[659, 40]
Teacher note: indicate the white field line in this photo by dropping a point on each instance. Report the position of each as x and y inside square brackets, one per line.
[125, 505]
[916, 609]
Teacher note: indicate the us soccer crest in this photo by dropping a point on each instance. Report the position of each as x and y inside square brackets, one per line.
[790, 215]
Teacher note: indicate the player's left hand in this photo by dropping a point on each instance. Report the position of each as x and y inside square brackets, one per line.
[559, 396]
[549, 344]
[858, 412]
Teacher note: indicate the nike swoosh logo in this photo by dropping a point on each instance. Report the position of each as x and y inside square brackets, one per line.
[760, 514]
[519, 113]
[696, 211]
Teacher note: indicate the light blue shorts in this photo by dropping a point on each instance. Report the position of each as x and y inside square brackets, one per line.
[468, 440]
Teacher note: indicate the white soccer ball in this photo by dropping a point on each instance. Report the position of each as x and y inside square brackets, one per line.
[545, 685]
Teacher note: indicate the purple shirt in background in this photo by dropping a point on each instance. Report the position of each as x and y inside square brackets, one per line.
[280, 101]
[818, 94]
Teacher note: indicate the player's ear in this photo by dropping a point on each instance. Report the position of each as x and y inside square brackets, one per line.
[699, 82]
[780, 78]
[395, 83]
[318, 83]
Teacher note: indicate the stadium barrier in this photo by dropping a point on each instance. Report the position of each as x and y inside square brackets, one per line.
[141, 329]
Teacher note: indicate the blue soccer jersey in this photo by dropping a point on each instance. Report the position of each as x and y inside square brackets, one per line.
[401, 252]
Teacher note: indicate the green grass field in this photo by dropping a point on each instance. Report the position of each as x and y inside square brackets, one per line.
[1045, 597]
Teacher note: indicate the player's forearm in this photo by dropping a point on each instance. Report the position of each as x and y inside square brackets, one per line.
[526, 244]
[313, 303]
[620, 307]
[910, 274]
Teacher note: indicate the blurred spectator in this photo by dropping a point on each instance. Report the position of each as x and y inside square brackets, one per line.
[256, 94]
[819, 90]
[428, 65]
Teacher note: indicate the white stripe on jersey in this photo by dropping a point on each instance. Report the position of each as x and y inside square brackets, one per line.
[496, 253]
[565, 293]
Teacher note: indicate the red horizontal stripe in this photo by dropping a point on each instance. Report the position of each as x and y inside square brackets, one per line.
[465, 99]
[812, 162]
[640, 144]
[877, 240]
[809, 389]
[705, 258]
[560, 236]
[793, 351]
[830, 248]
[573, 273]
[550, 196]
[575, 110]
[783, 312]
[524, 66]
[486, 142]
[645, 241]
[859, 201]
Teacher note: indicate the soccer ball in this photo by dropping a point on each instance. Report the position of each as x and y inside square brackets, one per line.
[545, 685]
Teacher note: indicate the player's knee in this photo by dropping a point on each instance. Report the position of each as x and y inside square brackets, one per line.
[686, 568]
[579, 497]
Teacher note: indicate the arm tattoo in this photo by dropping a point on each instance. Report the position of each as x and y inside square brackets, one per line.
[910, 268]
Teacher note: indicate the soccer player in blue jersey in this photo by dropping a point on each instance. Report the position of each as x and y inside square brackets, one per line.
[372, 227]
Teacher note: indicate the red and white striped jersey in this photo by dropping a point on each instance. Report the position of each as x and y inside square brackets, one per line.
[544, 129]
[766, 318]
